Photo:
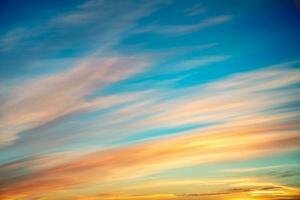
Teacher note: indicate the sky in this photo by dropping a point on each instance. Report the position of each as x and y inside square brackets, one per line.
[149, 100]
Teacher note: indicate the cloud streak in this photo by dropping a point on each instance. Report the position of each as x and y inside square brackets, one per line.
[250, 131]
[149, 100]
[185, 29]
[44, 100]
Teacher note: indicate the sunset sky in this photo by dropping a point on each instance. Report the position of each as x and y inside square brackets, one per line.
[150, 100]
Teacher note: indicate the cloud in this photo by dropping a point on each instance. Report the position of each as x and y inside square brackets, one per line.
[101, 123]
[269, 192]
[11, 39]
[16, 171]
[74, 18]
[91, 4]
[199, 62]
[81, 32]
[185, 29]
[251, 189]
[195, 10]
[247, 98]
[210, 146]
[253, 169]
[42, 100]
[264, 99]
[187, 182]
[128, 197]
[249, 112]
[224, 188]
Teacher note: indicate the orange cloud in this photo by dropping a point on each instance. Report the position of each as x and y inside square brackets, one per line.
[244, 126]
[206, 146]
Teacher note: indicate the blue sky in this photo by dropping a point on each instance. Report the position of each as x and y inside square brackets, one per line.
[149, 99]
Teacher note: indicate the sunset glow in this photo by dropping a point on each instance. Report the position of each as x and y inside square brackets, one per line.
[150, 100]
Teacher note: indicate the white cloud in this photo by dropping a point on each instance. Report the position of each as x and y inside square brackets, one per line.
[185, 28]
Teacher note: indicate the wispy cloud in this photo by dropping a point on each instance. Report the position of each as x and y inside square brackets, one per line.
[75, 18]
[195, 10]
[253, 169]
[32, 103]
[36, 102]
[88, 30]
[225, 189]
[186, 28]
[251, 131]
[247, 98]
[91, 4]
[12, 38]
[123, 100]
[201, 61]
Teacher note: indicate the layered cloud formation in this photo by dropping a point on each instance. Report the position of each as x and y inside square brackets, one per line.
[114, 100]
